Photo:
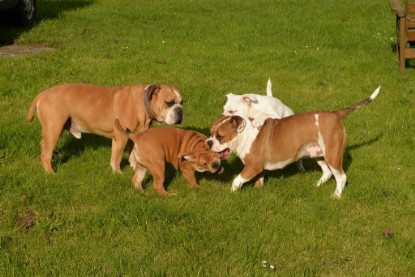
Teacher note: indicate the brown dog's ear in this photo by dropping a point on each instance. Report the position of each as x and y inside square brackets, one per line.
[186, 156]
[238, 123]
[150, 90]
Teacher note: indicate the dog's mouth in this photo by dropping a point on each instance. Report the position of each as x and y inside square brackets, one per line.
[220, 170]
[225, 154]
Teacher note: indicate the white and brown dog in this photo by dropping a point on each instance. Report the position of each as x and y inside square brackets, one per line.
[82, 108]
[282, 141]
[186, 150]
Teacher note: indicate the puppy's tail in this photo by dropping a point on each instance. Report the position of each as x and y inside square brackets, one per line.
[33, 107]
[269, 87]
[345, 112]
[118, 125]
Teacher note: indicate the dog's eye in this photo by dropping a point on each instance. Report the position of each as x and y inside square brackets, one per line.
[219, 138]
[170, 104]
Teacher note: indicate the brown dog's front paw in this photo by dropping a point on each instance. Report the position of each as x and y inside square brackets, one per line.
[161, 192]
[193, 186]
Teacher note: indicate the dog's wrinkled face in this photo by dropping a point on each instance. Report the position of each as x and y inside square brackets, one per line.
[167, 105]
[238, 104]
[223, 132]
[204, 160]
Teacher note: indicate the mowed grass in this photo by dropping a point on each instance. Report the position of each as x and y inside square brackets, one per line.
[85, 220]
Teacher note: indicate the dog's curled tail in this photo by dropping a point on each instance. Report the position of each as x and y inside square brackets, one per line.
[31, 113]
[345, 112]
[269, 87]
[120, 128]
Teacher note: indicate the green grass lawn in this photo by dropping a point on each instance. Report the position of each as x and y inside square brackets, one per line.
[86, 221]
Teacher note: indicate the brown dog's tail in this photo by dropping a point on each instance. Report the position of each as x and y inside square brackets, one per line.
[31, 113]
[345, 112]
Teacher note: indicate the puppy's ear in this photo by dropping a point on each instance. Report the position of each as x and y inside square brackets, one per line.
[229, 95]
[238, 123]
[151, 90]
[186, 156]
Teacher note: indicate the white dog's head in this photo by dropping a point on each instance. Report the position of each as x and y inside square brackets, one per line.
[239, 104]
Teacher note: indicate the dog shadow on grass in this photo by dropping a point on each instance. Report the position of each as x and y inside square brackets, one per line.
[69, 147]
[311, 165]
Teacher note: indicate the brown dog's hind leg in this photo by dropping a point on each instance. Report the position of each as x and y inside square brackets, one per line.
[334, 159]
[157, 171]
[50, 135]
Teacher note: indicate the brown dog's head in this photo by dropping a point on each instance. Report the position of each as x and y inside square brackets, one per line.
[165, 102]
[203, 160]
[223, 133]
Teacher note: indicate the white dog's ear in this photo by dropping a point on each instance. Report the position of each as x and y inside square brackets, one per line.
[249, 100]
[229, 95]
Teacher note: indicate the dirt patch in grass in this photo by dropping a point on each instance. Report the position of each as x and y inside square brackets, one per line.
[13, 50]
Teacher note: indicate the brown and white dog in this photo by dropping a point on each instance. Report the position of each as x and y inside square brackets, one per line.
[82, 108]
[186, 150]
[282, 141]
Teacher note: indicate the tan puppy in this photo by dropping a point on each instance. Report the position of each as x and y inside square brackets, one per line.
[82, 108]
[283, 141]
[186, 150]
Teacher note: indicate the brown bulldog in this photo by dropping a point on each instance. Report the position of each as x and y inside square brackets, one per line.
[279, 142]
[82, 108]
[186, 150]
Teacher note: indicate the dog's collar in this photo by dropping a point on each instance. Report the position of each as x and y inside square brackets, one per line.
[147, 104]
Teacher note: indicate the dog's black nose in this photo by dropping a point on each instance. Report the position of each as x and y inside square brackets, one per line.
[215, 165]
[209, 143]
[179, 114]
[179, 111]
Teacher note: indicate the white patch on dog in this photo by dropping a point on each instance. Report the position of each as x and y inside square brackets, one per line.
[238, 182]
[326, 172]
[320, 140]
[341, 179]
[278, 165]
[242, 144]
[171, 115]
